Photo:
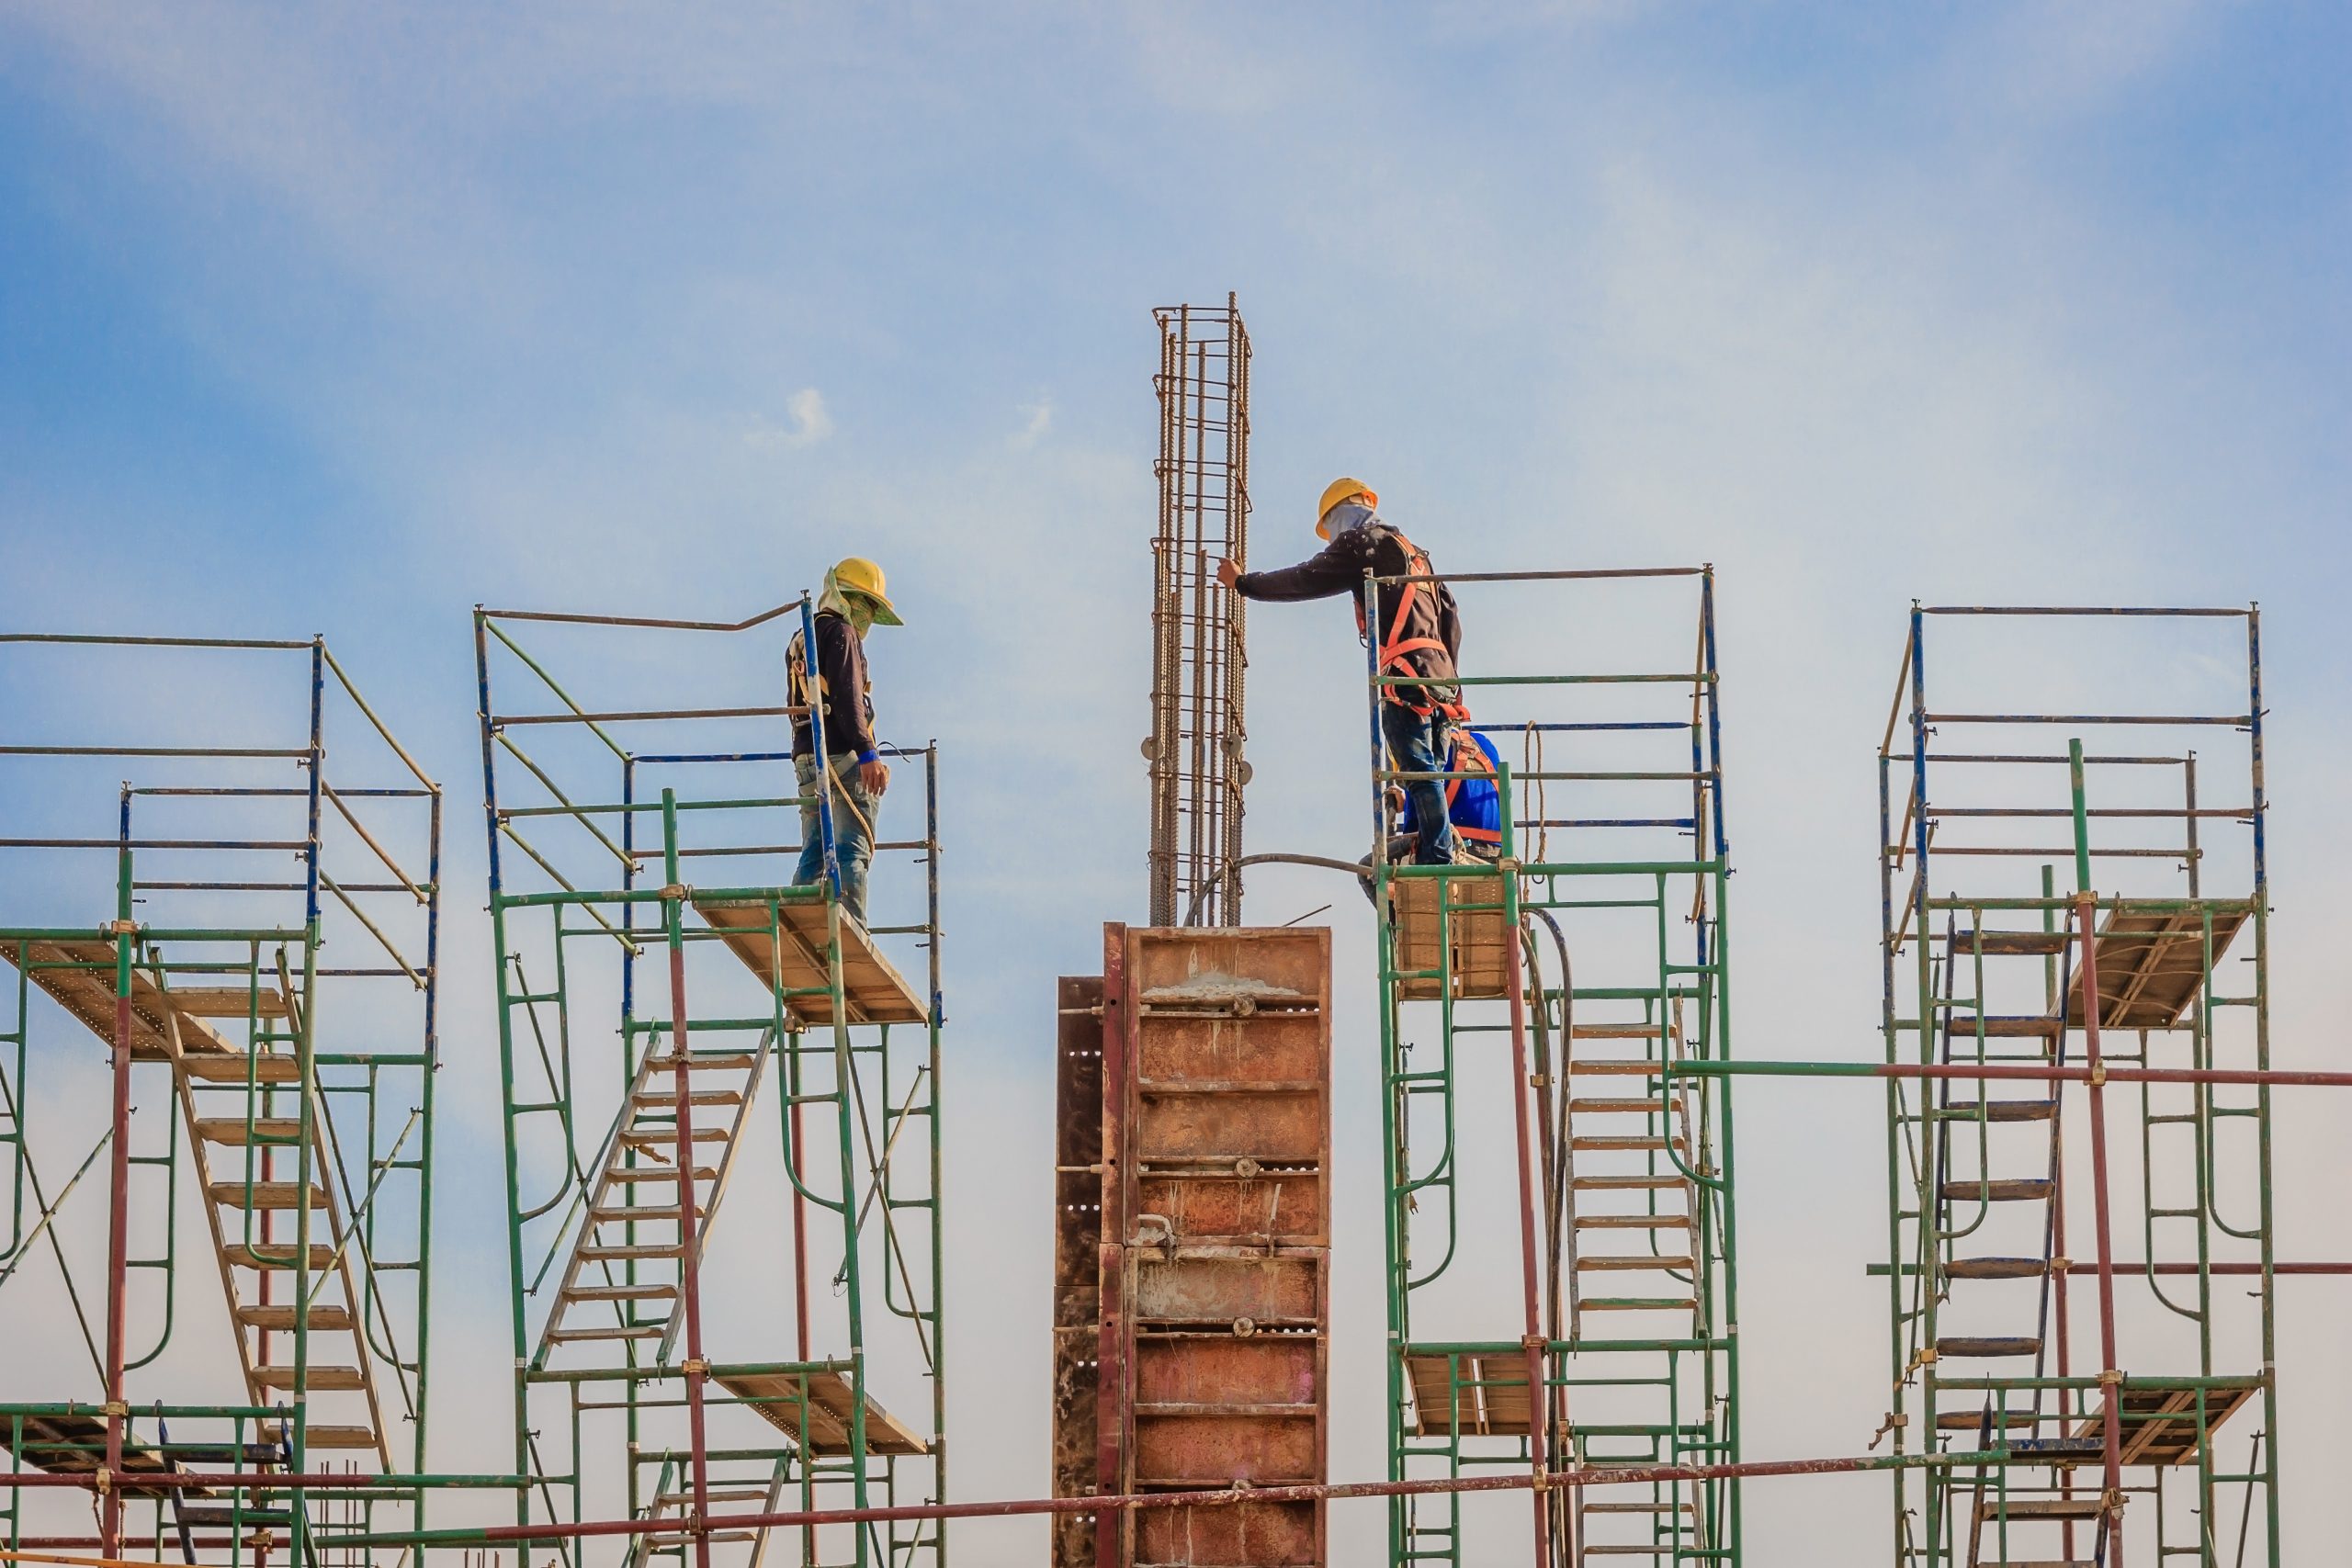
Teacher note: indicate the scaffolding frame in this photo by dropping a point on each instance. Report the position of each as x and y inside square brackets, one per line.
[835, 1025]
[1199, 654]
[1663, 1404]
[229, 1012]
[1981, 972]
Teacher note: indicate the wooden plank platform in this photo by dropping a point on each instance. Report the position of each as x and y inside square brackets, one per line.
[1479, 962]
[2151, 964]
[779, 1395]
[793, 958]
[79, 976]
[1493, 1393]
[2160, 1424]
[76, 1445]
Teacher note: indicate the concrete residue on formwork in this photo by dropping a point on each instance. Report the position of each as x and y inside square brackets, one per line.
[1214, 987]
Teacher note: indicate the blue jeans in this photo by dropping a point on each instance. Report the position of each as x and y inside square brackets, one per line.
[1417, 745]
[853, 812]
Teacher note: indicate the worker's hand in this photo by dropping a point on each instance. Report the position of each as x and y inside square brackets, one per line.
[1227, 572]
[875, 777]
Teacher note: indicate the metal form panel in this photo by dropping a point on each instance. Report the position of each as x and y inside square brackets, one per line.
[1078, 1240]
[1214, 1120]
[1225, 1088]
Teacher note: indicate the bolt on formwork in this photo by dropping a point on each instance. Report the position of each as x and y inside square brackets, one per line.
[254, 938]
[1198, 658]
[642, 1011]
[2091, 902]
[1558, 988]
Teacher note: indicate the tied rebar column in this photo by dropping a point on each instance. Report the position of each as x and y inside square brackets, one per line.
[1198, 659]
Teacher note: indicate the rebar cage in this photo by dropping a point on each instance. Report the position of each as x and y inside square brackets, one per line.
[253, 936]
[1555, 987]
[653, 1362]
[1198, 651]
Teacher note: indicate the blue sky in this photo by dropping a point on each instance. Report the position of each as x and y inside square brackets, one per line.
[349, 318]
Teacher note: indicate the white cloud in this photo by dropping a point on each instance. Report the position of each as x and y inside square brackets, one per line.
[805, 422]
[1038, 418]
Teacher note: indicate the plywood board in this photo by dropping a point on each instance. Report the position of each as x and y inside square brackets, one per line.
[778, 1399]
[2152, 964]
[80, 975]
[792, 956]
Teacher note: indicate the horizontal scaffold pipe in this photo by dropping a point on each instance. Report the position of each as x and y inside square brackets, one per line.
[2006, 1071]
[2090, 1266]
[1609, 1475]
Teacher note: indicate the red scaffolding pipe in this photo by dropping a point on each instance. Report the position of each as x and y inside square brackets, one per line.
[689, 1269]
[1533, 1340]
[2110, 1380]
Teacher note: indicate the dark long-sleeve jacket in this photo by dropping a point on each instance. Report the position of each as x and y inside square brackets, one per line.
[840, 676]
[1339, 567]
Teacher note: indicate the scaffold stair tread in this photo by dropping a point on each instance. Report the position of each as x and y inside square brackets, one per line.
[661, 1135]
[341, 1379]
[620, 1292]
[794, 958]
[655, 1100]
[324, 1317]
[1636, 1142]
[237, 1068]
[716, 1494]
[668, 1173]
[272, 1195]
[1625, 1183]
[639, 1214]
[2004, 1189]
[827, 1398]
[2062, 1509]
[1997, 1268]
[610, 1331]
[698, 1062]
[317, 1435]
[2001, 1109]
[616, 1254]
[1986, 1346]
[2005, 945]
[1634, 1222]
[278, 1257]
[1620, 1106]
[1604, 1264]
[2003, 1026]
[1620, 1032]
[1634, 1067]
[1639, 1303]
[232, 1131]
[1973, 1420]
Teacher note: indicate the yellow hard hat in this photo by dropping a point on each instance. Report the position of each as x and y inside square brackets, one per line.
[860, 576]
[1335, 492]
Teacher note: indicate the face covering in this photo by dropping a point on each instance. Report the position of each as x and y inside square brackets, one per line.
[1348, 515]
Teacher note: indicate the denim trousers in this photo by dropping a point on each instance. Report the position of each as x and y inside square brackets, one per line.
[1417, 745]
[853, 812]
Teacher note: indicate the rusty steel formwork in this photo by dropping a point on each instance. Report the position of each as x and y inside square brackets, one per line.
[1192, 1244]
[1197, 649]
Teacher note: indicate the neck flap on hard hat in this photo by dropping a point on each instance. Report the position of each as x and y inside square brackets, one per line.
[849, 607]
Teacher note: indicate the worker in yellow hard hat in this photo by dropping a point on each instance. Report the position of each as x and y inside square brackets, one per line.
[1420, 635]
[843, 697]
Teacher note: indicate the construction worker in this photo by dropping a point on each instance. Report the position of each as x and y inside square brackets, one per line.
[852, 600]
[1420, 633]
[1474, 803]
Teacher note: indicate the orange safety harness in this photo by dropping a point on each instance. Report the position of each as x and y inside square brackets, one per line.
[1396, 646]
